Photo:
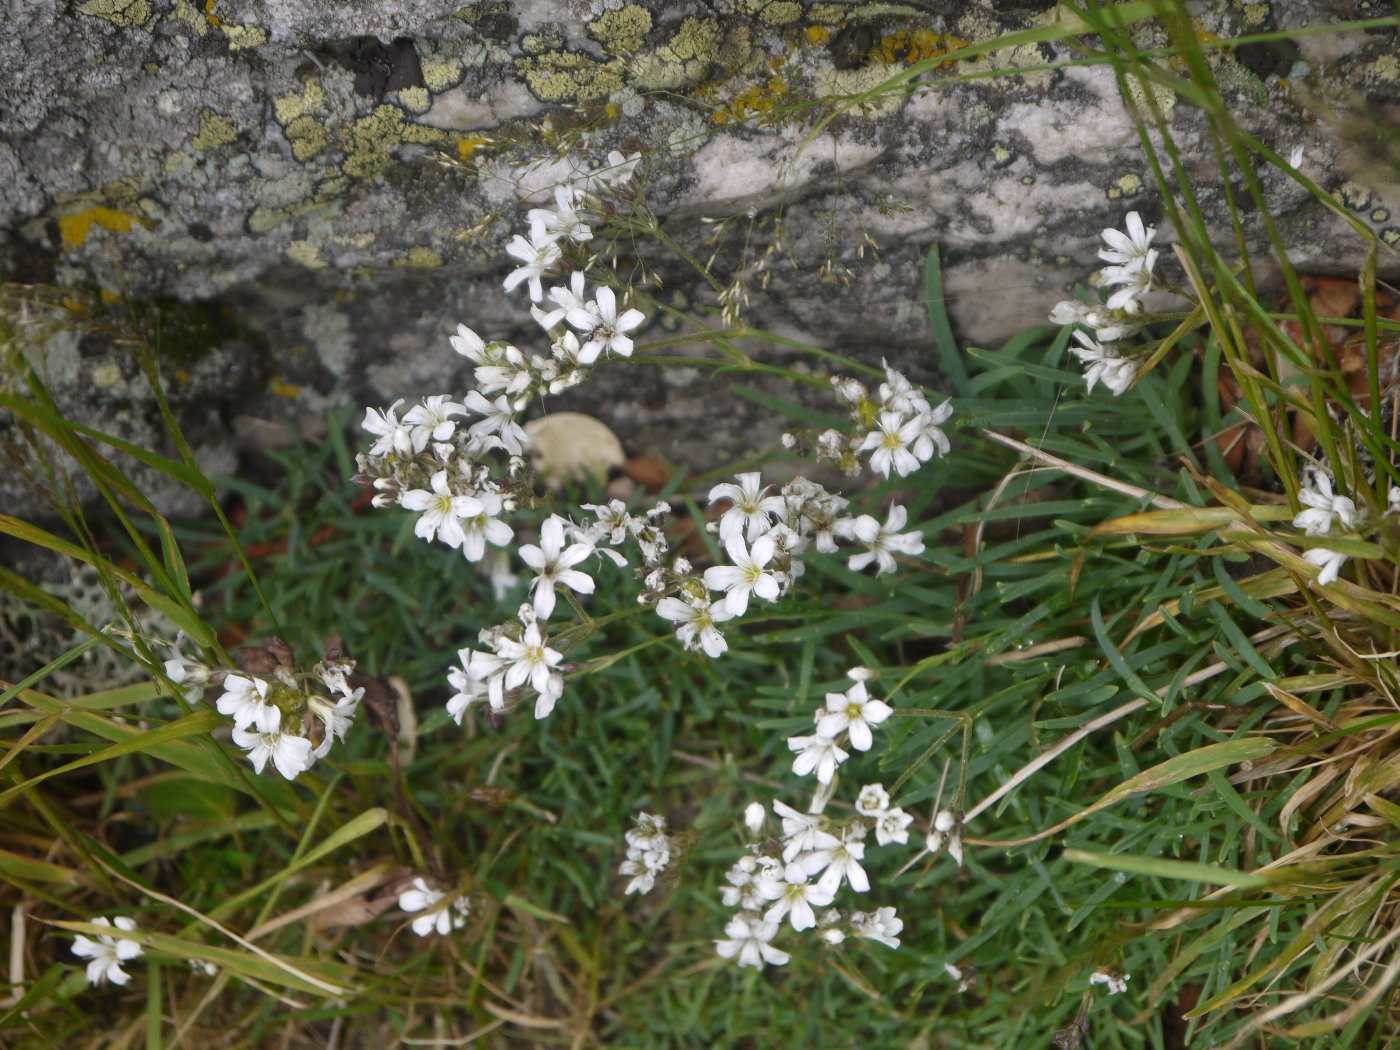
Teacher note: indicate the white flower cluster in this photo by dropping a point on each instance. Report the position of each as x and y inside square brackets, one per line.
[765, 535]
[1131, 258]
[846, 718]
[792, 878]
[898, 427]
[439, 917]
[106, 954]
[289, 717]
[1326, 511]
[648, 853]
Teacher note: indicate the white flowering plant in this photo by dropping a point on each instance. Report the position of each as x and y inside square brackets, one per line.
[994, 695]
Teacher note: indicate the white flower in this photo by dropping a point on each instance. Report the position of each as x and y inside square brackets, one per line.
[930, 435]
[746, 576]
[336, 718]
[748, 938]
[842, 861]
[536, 255]
[481, 525]
[880, 925]
[564, 222]
[1105, 364]
[421, 897]
[853, 711]
[530, 659]
[695, 620]
[872, 800]
[107, 953]
[498, 421]
[552, 563]
[1133, 248]
[244, 701]
[892, 826]
[1114, 982]
[897, 394]
[432, 420]
[607, 332]
[794, 896]
[648, 853]
[817, 754]
[1134, 280]
[394, 436]
[882, 541]
[1329, 561]
[469, 689]
[891, 440]
[441, 509]
[290, 754]
[945, 828]
[754, 815]
[802, 832]
[752, 511]
[1324, 508]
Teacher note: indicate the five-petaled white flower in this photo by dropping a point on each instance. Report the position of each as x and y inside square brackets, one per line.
[802, 832]
[891, 438]
[498, 420]
[1326, 559]
[1323, 508]
[290, 754]
[816, 753]
[421, 897]
[794, 896]
[695, 620]
[561, 223]
[481, 525]
[752, 511]
[393, 435]
[881, 925]
[107, 953]
[432, 420]
[746, 576]
[442, 511]
[536, 255]
[531, 660]
[882, 541]
[854, 711]
[606, 331]
[553, 562]
[1131, 248]
[245, 701]
[748, 938]
[1106, 365]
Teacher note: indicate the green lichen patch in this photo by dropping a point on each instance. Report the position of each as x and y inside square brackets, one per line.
[567, 77]
[307, 254]
[622, 32]
[186, 14]
[311, 100]
[215, 130]
[308, 137]
[780, 13]
[695, 38]
[241, 38]
[129, 14]
[419, 258]
[369, 141]
[415, 99]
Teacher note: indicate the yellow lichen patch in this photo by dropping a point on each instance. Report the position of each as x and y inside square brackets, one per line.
[241, 38]
[368, 141]
[1387, 67]
[130, 14]
[187, 14]
[817, 36]
[308, 137]
[909, 46]
[311, 100]
[696, 38]
[760, 98]
[281, 388]
[74, 229]
[565, 77]
[307, 254]
[622, 32]
[106, 375]
[419, 258]
[214, 131]
[209, 15]
[1130, 185]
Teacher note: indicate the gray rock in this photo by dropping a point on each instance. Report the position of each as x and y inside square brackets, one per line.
[344, 176]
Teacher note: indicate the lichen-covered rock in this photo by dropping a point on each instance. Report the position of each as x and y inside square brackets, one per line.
[345, 175]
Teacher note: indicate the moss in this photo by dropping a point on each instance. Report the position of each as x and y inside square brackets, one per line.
[129, 14]
[622, 32]
[566, 77]
[214, 131]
